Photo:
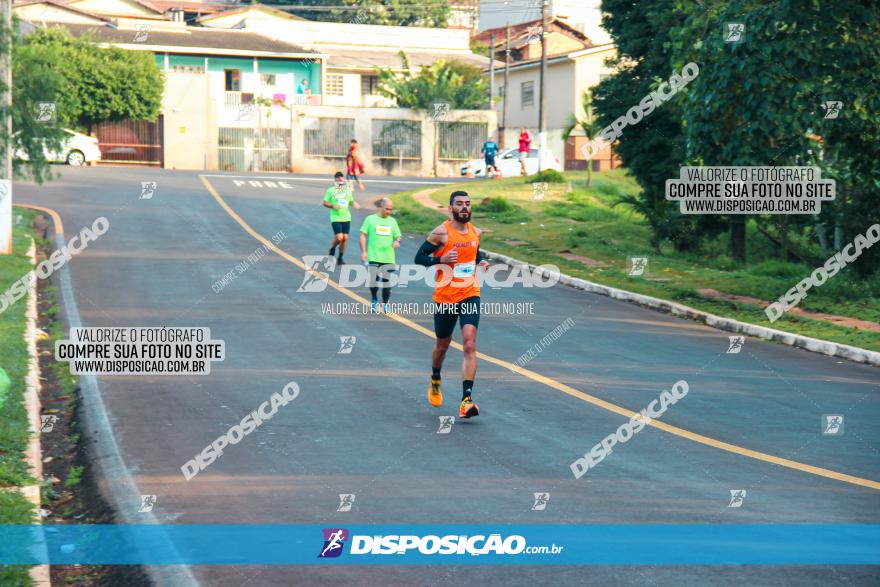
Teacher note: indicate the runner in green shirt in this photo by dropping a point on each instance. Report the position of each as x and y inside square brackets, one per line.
[340, 199]
[380, 235]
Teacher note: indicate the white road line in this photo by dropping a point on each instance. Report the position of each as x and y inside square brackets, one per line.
[328, 180]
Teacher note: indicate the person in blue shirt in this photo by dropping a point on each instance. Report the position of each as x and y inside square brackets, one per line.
[490, 148]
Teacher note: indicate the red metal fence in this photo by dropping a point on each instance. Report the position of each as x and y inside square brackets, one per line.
[131, 141]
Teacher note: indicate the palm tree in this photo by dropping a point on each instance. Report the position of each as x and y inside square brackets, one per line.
[591, 127]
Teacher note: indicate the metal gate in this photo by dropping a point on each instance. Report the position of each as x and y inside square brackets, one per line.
[131, 141]
[461, 140]
[251, 149]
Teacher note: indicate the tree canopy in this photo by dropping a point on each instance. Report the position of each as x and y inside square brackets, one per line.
[757, 101]
[461, 85]
[86, 83]
[388, 12]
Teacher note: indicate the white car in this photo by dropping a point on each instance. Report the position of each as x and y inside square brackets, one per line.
[507, 161]
[76, 149]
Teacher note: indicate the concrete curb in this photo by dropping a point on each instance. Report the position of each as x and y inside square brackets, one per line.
[34, 453]
[815, 345]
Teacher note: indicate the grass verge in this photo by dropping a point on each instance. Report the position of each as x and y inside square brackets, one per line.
[570, 219]
[14, 433]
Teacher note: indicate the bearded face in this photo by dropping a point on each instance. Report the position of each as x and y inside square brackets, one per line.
[461, 210]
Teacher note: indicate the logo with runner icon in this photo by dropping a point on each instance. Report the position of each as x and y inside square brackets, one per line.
[315, 278]
[334, 541]
[832, 424]
[346, 500]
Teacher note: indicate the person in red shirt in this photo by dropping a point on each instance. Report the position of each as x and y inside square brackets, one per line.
[525, 143]
[355, 165]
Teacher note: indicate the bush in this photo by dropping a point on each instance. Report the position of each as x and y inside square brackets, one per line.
[501, 210]
[779, 269]
[498, 205]
[548, 175]
[581, 211]
[607, 188]
[723, 262]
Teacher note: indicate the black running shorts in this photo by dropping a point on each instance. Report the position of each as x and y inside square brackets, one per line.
[341, 227]
[466, 311]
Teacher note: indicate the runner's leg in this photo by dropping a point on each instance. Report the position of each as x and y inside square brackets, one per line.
[337, 237]
[444, 325]
[384, 282]
[469, 363]
[469, 318]
[374, 285]
[343, 238]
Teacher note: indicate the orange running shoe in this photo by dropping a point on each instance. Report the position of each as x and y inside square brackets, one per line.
[435, 396]
[468, 409]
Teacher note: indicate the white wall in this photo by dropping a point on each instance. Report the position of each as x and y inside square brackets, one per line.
[560, 103]
[304, 115]
[37, 13]
[189, 124]
[307, 33]
[566, 81]
[351, 93]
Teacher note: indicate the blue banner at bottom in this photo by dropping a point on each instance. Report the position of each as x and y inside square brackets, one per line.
[174, 544]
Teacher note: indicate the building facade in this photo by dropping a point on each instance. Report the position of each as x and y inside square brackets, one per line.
[240, 95]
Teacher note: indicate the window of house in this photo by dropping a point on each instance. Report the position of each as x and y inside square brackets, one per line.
[527, 95]
[369, 85]
[501, 91]
[267, 79]
[334, 85]
[233, 80]
[188, 68]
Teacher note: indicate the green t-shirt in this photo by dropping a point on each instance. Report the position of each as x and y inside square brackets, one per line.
[343, 197]
[381, 234]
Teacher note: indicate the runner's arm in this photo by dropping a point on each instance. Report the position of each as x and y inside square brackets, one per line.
[481, 257]
[436, 240]
[425, 256]
[328, 201]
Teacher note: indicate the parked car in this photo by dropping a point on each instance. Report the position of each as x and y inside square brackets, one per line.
[76, 149]
[508, 164]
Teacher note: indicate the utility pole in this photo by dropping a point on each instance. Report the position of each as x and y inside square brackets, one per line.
[6, 139]
[491, 70]
[506, 88]
[542, 83]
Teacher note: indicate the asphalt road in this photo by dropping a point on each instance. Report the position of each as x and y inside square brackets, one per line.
[362, 425]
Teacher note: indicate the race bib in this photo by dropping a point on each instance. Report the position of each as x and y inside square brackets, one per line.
[342, 201]
[463, 270]
[383, 230]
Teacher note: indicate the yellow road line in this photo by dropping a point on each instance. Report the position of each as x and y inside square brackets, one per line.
[56, 218]
[681, 432]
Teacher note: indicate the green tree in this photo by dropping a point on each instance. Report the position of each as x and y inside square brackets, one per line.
[36, 78]
[759, 101]
[85, 84]
[101, 84]
[590, 126]
[654, 149]
[387, 12]
[460, 84]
